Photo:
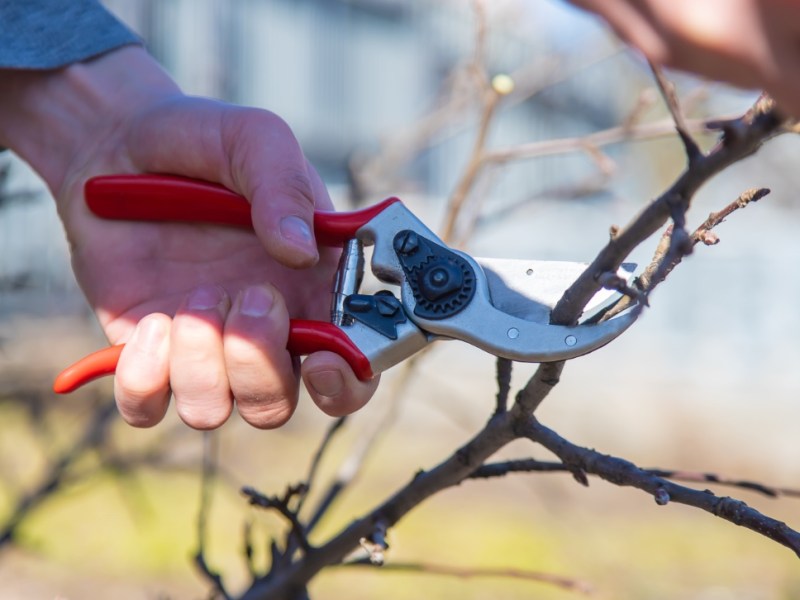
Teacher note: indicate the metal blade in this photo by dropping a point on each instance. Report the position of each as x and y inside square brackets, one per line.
[529, 289]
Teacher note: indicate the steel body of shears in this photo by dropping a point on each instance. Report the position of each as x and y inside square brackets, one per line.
[501, 307]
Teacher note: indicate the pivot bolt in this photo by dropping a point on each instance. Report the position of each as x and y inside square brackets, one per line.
[440, 280]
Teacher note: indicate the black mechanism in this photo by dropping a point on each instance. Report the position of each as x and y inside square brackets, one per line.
[381, 312]
[443, 283]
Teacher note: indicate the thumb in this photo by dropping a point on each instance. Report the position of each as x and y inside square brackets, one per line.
[250, 151]
[284, 190]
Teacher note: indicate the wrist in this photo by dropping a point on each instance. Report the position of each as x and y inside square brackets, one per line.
[59, 120]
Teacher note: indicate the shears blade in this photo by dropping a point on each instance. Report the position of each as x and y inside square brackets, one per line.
[530, 289]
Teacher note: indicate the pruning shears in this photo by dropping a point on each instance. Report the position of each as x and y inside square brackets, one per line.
[500, 306]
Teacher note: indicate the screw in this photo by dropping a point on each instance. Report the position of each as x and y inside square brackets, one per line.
[387, 306]
[513, 333]
[406, 242]
[570, 340]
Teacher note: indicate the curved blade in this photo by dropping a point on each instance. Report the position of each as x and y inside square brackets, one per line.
[529, 289]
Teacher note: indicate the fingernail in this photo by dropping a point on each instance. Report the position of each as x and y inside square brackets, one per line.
[326, 383]
[205, 297]
[256, 301]
[296, 230]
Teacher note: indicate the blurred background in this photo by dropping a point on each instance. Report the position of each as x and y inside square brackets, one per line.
[380, 95]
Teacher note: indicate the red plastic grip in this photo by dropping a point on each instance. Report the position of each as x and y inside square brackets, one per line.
[336, 228]
[305, 337]
[172, 198]
[91, 367]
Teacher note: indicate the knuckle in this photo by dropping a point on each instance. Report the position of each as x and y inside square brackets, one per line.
[135, 389]
[292, 182]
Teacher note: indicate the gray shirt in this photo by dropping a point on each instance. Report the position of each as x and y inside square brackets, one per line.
[47, 34]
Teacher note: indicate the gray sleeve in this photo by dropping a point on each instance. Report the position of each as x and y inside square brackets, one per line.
[46, 34]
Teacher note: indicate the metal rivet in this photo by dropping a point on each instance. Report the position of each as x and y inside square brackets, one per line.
[529, 272]
[570, 340]
[513, 333]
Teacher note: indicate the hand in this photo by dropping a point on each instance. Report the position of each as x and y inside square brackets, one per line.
[749, 43]
[204, 311]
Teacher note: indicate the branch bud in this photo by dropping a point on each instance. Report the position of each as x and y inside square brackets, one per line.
[503, 84]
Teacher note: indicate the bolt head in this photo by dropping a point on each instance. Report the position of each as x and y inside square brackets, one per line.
[406, 242]
[440, 280]
[387, 306]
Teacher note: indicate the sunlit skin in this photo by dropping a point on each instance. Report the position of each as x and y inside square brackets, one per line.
[749, 43]
[204, 310]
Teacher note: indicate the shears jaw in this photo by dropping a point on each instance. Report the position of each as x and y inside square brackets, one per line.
[564, 343]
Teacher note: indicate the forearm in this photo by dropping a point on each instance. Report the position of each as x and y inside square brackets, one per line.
[56, 119]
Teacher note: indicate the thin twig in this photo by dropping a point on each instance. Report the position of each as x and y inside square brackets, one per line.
[663, 262]
[330, 433]
[598, 139]
[256, 498]
[207, 479]
[353, 465]
[490, 99]
[562, 582]
[667, 89]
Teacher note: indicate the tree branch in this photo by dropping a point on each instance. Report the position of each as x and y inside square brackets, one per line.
[624, 473]
[496, 434]
[753, 129]
[531, 465]
[664, 261]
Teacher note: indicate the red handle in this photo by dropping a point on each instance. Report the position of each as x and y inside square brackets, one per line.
[95, 365]
[171, 198]
[305, 337]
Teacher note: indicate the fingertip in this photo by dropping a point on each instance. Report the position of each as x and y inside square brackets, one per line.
[287, 236]
[333, 386]
[205, 416]
[298, 235]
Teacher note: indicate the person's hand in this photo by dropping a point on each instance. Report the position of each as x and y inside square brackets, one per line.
[204, 311]
[749, 43]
